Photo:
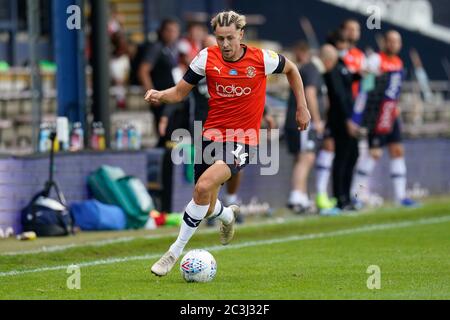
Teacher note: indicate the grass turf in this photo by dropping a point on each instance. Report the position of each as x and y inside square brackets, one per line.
[294, 258]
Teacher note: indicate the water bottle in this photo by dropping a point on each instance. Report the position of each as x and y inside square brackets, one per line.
[131, 137]
[80, 133]
[126, 140]
[101, 137]
[62, 130]
[44, 135]
[138, 140]
[119, 138]
[94, 136]
[135, 138]
[77, 137]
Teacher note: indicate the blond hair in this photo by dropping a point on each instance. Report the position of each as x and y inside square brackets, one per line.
[227, 18]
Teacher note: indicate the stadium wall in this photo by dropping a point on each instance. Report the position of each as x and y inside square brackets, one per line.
[21, 178]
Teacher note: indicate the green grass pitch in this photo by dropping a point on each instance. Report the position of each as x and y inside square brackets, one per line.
[284, 258]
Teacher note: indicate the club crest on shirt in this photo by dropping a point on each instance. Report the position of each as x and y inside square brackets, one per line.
[251, 72]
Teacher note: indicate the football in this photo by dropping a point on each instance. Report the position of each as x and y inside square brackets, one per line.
[198, 266]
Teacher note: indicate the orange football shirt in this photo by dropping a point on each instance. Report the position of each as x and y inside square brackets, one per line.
[238, 92]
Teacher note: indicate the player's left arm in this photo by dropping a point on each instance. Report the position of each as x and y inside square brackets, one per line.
[303, 116]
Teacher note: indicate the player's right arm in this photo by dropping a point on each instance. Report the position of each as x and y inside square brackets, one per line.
[170, 96]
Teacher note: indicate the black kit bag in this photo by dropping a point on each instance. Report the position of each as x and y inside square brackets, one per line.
[45, 216]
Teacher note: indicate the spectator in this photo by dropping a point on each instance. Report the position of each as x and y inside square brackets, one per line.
[160, 70]
[342, 129]
[116, 20]
[303, 145]
[325, 157]
[386, 65]
[120, 68]
[191, 45]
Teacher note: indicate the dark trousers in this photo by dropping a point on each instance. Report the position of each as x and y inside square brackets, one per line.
[346, 156]
[178, 117]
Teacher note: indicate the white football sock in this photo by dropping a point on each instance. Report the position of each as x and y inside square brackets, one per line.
[298, 198]
[193, 216]
[230, 199]
[398, 176]
[222, 213]
[363, 172]
[323, 170]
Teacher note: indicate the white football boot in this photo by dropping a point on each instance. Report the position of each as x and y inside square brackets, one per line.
[163, 266]
[227, 230]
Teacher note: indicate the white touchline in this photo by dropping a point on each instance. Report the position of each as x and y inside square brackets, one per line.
[100, 243]
[343, 232]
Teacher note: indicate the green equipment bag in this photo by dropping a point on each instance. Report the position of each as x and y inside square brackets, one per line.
[111, 185]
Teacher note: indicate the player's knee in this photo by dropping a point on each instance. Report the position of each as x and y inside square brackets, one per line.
[203, 187]
[310, 158]
[396, 151]
[328, 145]
[376, 154]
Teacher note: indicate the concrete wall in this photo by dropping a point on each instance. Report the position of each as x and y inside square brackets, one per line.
[428, 164]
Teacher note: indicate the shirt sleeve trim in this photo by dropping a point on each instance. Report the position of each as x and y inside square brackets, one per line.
[192, 77]
[281, 65]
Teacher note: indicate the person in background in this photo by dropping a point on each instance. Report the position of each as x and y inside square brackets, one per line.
[325, 157]
[345, 40]
[198, 102]
[387, 61]
[160, 70]
[190, 45]
[354, 59]
[342, 129]
[120, 68]
[303, 145]
[116, 20]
